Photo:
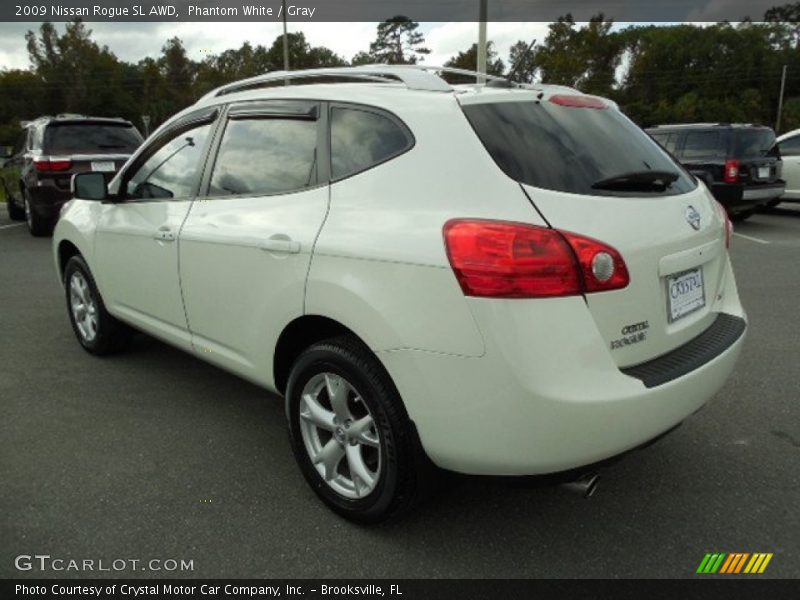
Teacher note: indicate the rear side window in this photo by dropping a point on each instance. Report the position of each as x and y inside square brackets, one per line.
[88, 138]
[569, 148]
[262, 156]
[704, 144]
[791, 146]
[753, 142]
[361, 139]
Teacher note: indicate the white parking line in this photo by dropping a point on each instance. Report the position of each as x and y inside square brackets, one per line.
[751, 238]
[12, 225]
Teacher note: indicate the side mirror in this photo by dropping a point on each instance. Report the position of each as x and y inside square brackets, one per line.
[89, 186]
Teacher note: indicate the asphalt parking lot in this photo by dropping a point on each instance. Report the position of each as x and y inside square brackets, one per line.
[154, 454]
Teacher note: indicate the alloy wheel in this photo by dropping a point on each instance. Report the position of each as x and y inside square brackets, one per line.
[83, 306]
[340, 435]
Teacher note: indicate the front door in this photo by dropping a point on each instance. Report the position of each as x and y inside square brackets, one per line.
[136, 246]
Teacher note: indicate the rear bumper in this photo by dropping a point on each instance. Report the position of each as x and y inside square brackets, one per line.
[740, 197]
[546, 396]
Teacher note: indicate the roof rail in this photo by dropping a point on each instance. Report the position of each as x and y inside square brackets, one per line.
[414, 77]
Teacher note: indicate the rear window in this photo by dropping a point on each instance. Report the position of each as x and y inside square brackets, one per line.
[753, 142]
[89, 138]
[570, 149]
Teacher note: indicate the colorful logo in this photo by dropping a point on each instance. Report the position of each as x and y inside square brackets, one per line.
[734, 563]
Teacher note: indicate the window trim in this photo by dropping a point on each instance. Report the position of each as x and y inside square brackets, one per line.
[237, 111]
[191, 121]
[410, 139]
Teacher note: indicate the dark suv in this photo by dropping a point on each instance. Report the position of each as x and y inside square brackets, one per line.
[36, 176]
[739, 163]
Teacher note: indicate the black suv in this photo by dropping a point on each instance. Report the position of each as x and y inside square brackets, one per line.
[739, 163]
[36, 176]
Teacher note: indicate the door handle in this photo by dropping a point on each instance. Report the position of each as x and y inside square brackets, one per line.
[281, 245]
[164, 234]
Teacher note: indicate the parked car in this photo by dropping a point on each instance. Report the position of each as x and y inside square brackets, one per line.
[789, 147]
[36, 176]
[484, 279]
[738, 162]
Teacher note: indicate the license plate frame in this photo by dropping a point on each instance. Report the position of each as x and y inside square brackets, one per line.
[686, 293]
[103, 166]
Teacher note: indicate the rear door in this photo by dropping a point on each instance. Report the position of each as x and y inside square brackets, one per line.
[567, 154]
[246, 246]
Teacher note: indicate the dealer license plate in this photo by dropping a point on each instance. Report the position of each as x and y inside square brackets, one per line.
[103, 166]
[685, 293]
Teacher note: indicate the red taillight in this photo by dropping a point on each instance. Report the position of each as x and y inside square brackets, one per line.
[47, 164]
[498, 259]
[731, 171]
[728, 224]
[575, 101]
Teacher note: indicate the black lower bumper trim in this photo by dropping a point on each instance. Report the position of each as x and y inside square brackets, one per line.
[720, 336]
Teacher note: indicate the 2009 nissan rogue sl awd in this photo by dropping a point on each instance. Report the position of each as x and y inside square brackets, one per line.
[489, 278]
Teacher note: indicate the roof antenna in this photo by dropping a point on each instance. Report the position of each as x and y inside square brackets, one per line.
[519, 63]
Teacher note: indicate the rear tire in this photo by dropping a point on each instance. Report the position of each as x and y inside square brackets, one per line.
[97, 331]
[366, 473]
[38, 226]
[15, 213]
[742, 216]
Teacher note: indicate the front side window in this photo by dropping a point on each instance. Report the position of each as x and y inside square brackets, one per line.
[174, 170]
[362, 139]
[790, 147]
[263, 156]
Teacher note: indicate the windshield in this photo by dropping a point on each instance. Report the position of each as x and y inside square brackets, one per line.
[91, 138]
[754, 142]
[571, 149]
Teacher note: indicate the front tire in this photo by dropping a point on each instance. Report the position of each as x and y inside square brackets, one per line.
[350, 433]
[97, 331]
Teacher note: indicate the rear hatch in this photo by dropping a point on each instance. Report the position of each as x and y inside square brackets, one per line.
[755, 149]
[589, 170]
[83, 145]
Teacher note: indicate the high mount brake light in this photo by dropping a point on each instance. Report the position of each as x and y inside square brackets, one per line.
[575, 101]
[499, 259]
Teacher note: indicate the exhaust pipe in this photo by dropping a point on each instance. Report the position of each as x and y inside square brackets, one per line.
[584, 486]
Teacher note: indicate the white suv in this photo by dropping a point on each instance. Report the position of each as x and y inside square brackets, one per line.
[490, 279]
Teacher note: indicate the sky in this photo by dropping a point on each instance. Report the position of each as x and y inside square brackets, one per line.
[132, 42]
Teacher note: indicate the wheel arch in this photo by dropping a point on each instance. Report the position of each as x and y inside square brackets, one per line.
[66, 250]
[298, 335]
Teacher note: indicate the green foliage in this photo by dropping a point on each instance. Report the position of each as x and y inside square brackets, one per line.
[397, 43]
[469, 60]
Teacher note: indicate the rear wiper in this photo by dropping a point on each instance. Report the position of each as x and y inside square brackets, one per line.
[638, 180]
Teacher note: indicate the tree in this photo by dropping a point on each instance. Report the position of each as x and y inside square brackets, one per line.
[468, 60]
[397, 43]
[178, 72]
[522, 61]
